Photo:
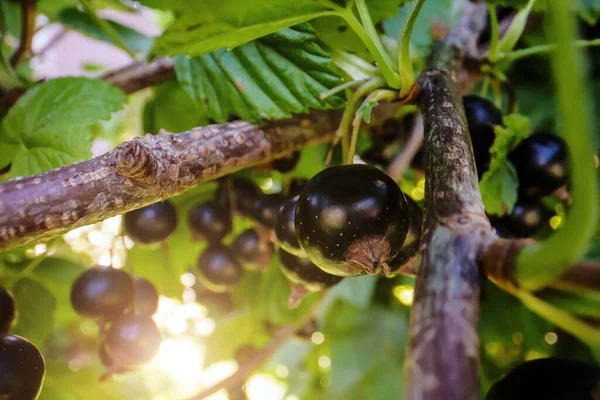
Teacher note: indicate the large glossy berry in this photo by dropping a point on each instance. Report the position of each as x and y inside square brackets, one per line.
[219, 268]
[413, 237]
[210, 220]
[541, 164]
[22, 369]
[265, 209]
[303, 272]
[239, 193]
[102, 292]
[548, 379]
[133, 339]
[480, 110]
[351, 220]
[151, 224]
[146, 297]
[527, 218]
[287, 163]
[251, 250]
[285, 228]
[7, 311]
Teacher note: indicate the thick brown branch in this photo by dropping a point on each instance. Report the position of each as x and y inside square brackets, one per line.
[443, 360]
[146, 170]
[140, 75]
[27, 30]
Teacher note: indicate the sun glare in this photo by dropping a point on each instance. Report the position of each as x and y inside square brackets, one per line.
[264, 387]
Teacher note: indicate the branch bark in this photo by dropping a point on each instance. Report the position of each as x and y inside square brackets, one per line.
[443, 359]
[27, 30]
[146, 170]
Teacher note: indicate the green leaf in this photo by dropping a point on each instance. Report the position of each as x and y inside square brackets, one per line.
[585, 304]
[270, 78]
[86, 24]
[589, 10]
[172, 109]
[366, 109]
[233, 332]
[500, 183]
[36, 306]
[48, 127]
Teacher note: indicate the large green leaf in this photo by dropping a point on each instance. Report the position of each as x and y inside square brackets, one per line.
[36, 306]
[171, 108]
[270, 78]
[205, 26]
[48, 127]
[86, 24]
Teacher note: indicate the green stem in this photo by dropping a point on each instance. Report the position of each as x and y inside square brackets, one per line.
[27, 271]
[515, 30]
[544, 48]
[376, 50]
[381, 94]
[107, 28]
[494, 51]
[540, 264]
[354, 66]
[340, 88]
[405, 67]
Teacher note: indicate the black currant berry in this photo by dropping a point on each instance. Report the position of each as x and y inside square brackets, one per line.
[351, 220]
[239, 193]
[548, 378]
[210, 220]
[132, 340]
[413, 237]
[285, 228]
[146, 297]
[287, 163]
[252, 252]
[541, 164]
[527, 218]
[265, 209]
[22, 369]
[102, 292]
[151, 224]
[219, 268]
[7, 311]
[303, 272]
[482, 117]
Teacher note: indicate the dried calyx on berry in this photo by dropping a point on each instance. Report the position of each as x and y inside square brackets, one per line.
[151, 224]
[352, 220]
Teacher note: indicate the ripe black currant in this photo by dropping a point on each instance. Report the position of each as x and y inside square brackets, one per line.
[146, 297]
[219, 268]
[413, 237]
[102, 292]
[251, 251]
[22, 369]
[239, 193]
[482, 116]
[265, 209]
[541, 164]
[548, 378]
[132, 340]
[285, 228]
[287, 163]
[7, 311]
[210, 220]
[303, 272]
[305, 276]
[151, 224]
[351, 220]
[526, 220]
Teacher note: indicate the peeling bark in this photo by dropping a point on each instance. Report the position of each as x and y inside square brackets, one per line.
[146, 170]
[443, 359]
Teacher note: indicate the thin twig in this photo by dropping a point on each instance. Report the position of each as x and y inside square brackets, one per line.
[399, 165]
[27, 30]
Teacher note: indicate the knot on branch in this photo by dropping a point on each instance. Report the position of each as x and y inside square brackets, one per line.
[499, 261]
[134, 160]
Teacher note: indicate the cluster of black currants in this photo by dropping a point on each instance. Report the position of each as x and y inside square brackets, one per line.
[540, 161]
[22, 367]
[123, 307]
